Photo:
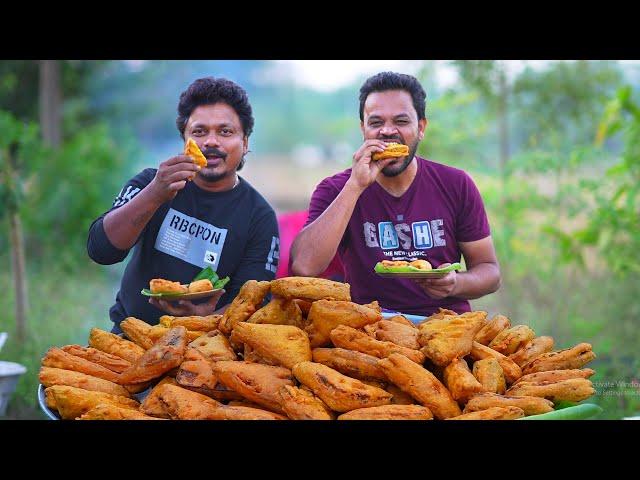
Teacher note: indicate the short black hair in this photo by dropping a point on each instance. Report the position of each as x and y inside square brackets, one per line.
[381, 82]
[210, 90]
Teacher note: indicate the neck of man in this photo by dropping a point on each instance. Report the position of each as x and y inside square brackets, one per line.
[399, 184]
[224, 184]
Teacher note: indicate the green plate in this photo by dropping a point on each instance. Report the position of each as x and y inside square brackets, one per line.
[207, 272]
[413, 272]
[576, 412]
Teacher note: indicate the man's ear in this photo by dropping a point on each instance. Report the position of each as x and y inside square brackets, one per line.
[422, 125]
[245, 145]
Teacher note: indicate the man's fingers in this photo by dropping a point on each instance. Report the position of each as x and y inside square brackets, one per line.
[178, 185]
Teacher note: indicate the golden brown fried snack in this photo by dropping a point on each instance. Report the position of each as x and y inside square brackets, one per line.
[137, 331]
[392, 150]
[402, 320]
[49, 399]
[205, 323]
[421, 264]
[451, 337]
[198, 286]
[460, 381]
[395, 332]
[192, 150]
[109, 411]
[530, 405]
[301, 404]
[389, 412]
[440, 314]
[555, 375]
[245, 304]
[279, 311]
[137, 387]
[256, 382]
[511, 370]
[493, 413]
[71, 402]
[166, 354]
[511, 339]
[490, 375]
[570, 390]
[196, 371]
[214, 346]
[325, 315]
[112, 362]
[160, 285]
[113, 344]
[531, 350]
[339, 392]
[304, 306]
[158, 331]
[569, 358]
[58, 358]
[252, 356]
[492, 328]
[350, 363]
[50, 376]
[152, 405]
[421, 384]
[352, 339]
[183, 404]
[399, 397]
[311, 289]
[285, 345]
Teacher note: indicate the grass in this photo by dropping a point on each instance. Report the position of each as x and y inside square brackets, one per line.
[62, 310]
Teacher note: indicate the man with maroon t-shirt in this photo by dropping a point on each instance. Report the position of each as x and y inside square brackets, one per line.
[403, 208]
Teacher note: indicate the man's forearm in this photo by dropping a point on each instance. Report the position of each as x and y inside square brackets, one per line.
[478, 281]
[124, 225]
[315, 247]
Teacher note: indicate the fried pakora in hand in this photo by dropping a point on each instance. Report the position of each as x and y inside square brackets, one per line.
[451, 337]
[490, 375]
[350, 363]
[531, 350]
[421, 384]
[352, 339]
[160, 285]
[301, 404]
[530, 405]
[339, 392]
[491, 329]
[460, 381]
[325, 315]
[166, 354]
[285, 345]
[245, 304]
[311, 289]
[569, 358]
[389, 412]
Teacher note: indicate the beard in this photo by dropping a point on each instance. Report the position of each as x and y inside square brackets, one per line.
[395, 170]
[213, 177]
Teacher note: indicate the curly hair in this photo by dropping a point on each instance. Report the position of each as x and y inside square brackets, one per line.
[384, 81]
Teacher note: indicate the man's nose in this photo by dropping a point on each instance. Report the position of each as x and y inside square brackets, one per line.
[388, 131]
[211, 140]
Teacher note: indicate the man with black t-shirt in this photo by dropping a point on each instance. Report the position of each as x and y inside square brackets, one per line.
[180, 218]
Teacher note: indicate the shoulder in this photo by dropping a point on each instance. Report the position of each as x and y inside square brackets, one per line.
[259, 204]
[443, 171]
[335, 182]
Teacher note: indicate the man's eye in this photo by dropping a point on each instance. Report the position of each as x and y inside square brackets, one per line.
[226, 131]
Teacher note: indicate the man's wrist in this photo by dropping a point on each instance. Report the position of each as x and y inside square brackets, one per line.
[353, 188]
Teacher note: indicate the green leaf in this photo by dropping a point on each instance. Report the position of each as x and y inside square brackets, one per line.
[409, 269]
[577, 412]
[220, 283]
[208, 273]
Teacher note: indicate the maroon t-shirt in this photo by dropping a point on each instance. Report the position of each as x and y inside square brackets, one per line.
[441, 208]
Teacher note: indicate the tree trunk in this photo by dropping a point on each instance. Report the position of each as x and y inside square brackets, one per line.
[50, 102]
[19, 273]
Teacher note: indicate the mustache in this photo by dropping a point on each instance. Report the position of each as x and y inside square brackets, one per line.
[212, 151]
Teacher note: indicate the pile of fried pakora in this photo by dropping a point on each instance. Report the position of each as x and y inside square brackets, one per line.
[312, 354]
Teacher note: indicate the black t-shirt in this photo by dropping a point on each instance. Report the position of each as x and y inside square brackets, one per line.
[234, 232]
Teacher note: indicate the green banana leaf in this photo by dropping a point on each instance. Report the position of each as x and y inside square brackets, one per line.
[576, 412]
[379, 268]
